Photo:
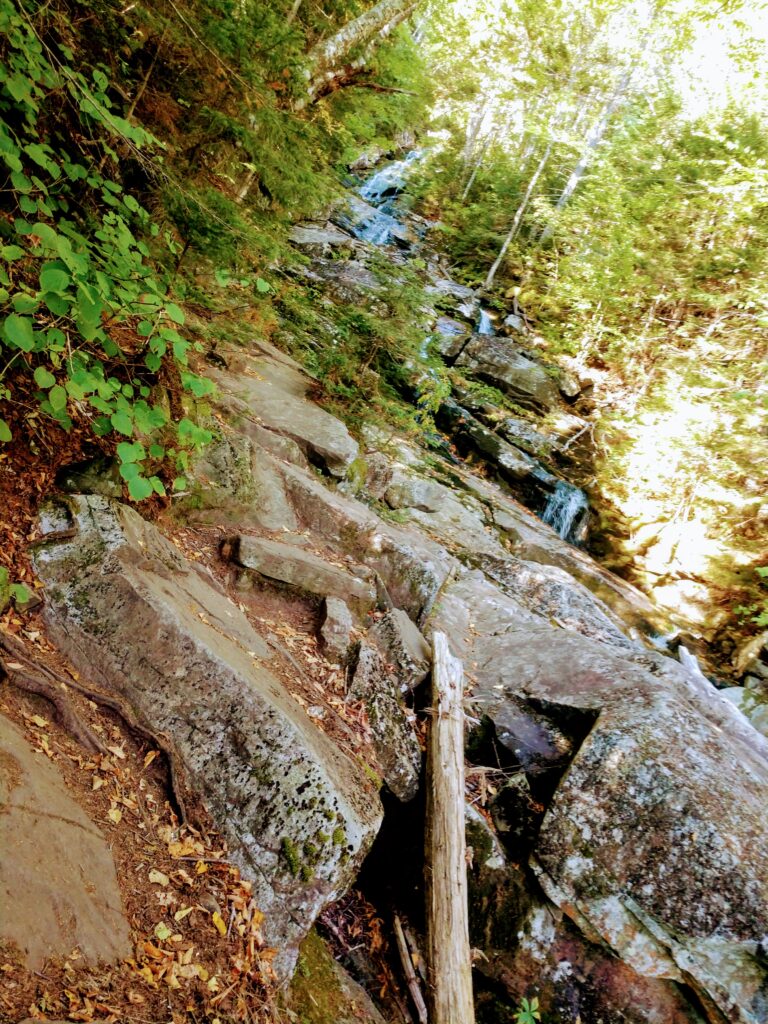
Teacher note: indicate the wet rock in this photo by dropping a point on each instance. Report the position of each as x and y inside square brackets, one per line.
[450, 336]
[513, 465]
[265, 388]
[303, 569]
[336, 631]
[394, 737]
[655, 839]
[58, 888]
[403, 646]
[515, 323]
[523, 434]
[134, 616]
[499, 361]
[370, 224]
[322, 992]
[517, 816]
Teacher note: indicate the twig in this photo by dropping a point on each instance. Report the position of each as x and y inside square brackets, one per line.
[410, 974]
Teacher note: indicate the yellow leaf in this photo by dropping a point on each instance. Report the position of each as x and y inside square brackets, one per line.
[201, 867]
[219, 922]
[115, 814]
[150, 758]
[97, 782]
[39, 721]
[181, 914]
[118, 752]
[158, 877]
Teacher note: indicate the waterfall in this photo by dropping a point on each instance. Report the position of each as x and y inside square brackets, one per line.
[566, 512]
[389, 181]
[485, 325]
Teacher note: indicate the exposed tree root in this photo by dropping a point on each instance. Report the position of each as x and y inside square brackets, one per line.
[30, 674]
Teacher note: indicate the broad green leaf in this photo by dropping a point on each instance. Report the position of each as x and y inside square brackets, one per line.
[175, 313]
[57, 396]
[54, 279]
[18, 330]
[12, 252]
[139, 488]
[5, 431]
[122, 423]
[262, 285]
[44, 378]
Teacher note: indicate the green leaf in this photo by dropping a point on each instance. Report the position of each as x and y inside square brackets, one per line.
[129, 471]
[139, 488]
[175, 313]
[157, 485]
[57, 304]
[46, 234]
[156, 451]
[122, 423]
[179, 483]
[57, 396]
[20, 593]
[24, 303]
[263, 286]
[5, 432]
[53, 279]
[44, 378]
[12, 252]
[18, 330]
[128, 452]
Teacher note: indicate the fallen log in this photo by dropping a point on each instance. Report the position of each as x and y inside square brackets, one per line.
[448, 953]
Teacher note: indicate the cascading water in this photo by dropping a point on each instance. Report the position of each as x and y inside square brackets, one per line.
[389, 181]
[485, 324]
[567, 511]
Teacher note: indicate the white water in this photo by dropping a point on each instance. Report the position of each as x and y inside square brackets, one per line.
[485, 325]
[389, 181]
[566, 511]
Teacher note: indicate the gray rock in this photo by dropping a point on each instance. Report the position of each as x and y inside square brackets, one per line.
[265, 388]
[134, 616]
[514, 322]
[403, 646]
[336, 631]
[499, 361]
[58, 888]
[655, 841]
[394, 737]
[303, 569]
[751, 658]
[97, 476]
[319, 239]
[450, 336]
[411, 568]
[555, 594]
[523, 434]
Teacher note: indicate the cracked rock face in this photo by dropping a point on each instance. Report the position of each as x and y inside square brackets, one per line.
[58, 889]
[655, 842]
[133, 615]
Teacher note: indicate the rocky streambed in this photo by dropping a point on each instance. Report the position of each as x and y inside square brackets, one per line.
[616, 807]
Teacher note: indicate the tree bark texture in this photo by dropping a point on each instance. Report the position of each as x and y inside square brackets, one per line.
[448, 952]
[329, 58]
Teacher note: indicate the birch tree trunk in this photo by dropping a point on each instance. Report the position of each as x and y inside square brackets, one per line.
[518, 217]
[448, 952]
[329, 57]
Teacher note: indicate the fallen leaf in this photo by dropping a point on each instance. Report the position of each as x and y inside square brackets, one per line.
[181, 914]
[158, 877]
[39, 721]
[162, 931]
[218, 920]
[115, 814]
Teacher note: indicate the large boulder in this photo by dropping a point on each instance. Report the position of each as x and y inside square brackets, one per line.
[654, 841]
[303, 569]
[135, 616]
[58, 888]
[265, 388]
[499, 361]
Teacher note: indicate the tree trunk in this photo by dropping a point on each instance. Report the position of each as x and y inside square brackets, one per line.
[328, 58]
[518, 217]
[448, 954]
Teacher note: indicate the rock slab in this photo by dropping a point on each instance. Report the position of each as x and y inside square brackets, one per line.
[58, 888]
[134, 615]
